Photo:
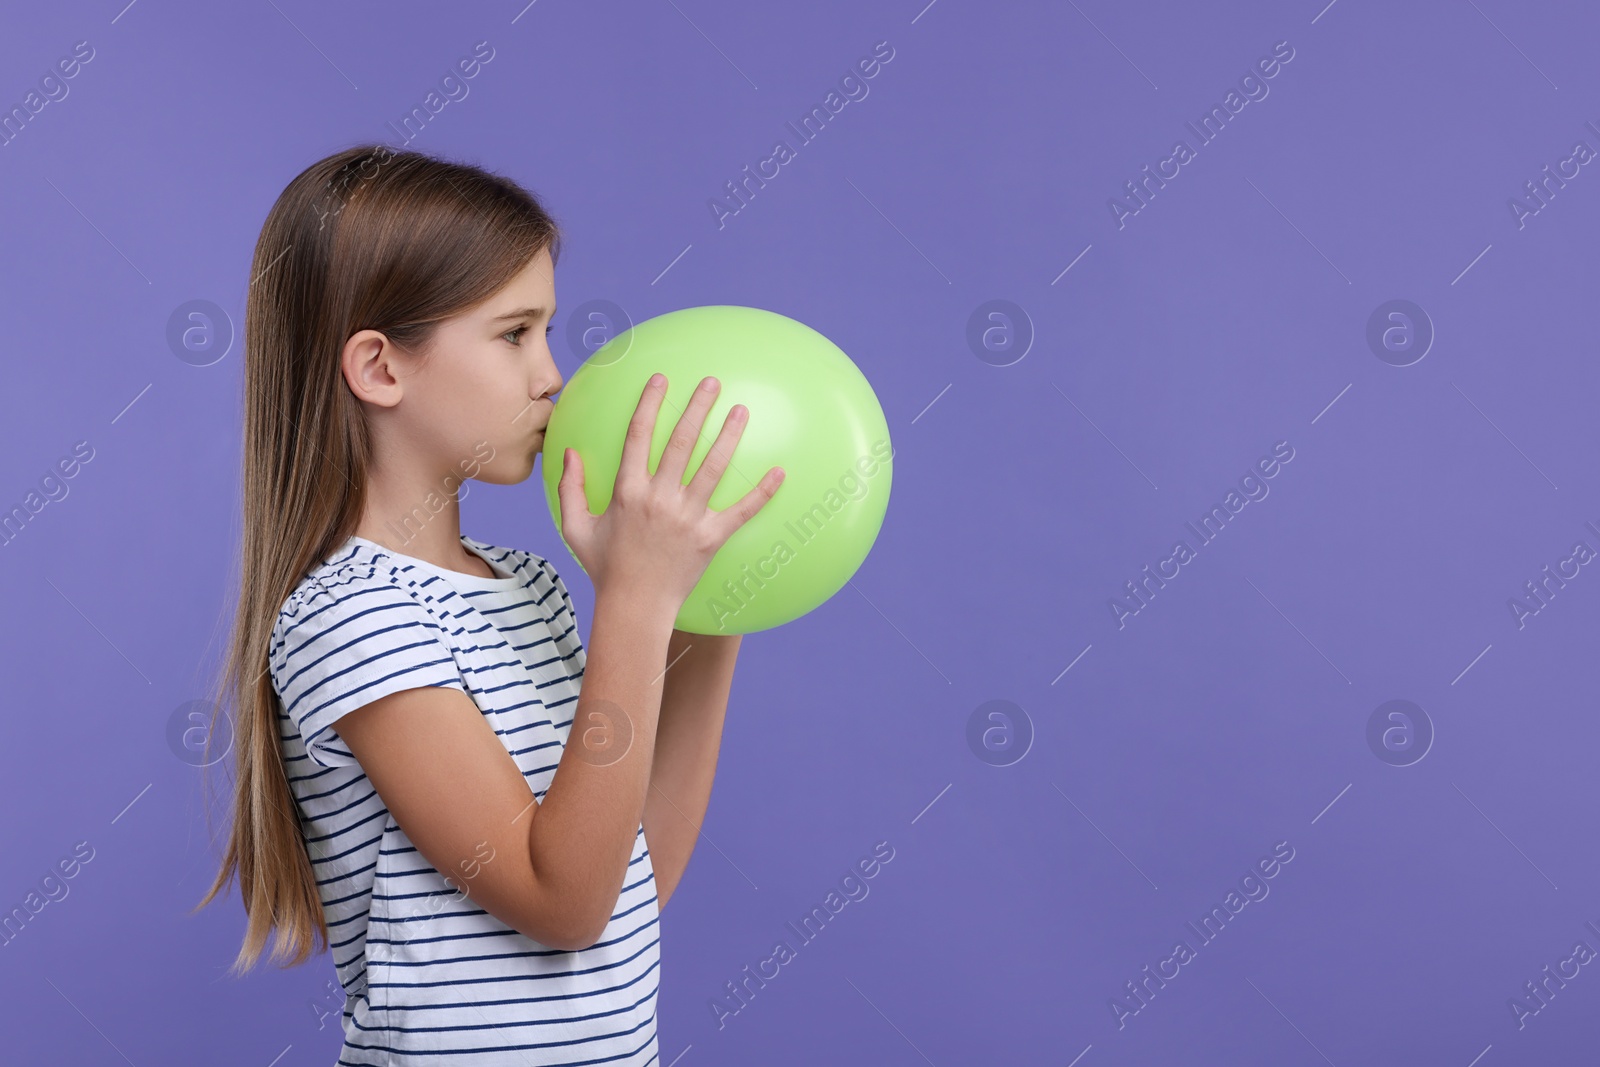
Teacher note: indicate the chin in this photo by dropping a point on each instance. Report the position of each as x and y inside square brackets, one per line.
[498, 476]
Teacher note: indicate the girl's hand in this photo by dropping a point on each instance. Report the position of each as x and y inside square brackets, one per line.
[657, 535]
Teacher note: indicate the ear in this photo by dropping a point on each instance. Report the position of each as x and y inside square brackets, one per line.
[369, 363]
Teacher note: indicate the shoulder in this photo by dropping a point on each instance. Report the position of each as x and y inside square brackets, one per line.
[355, 591]
[350, 570]
[355, 628]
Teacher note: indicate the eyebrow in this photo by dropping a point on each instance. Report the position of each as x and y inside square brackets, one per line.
[523, 313]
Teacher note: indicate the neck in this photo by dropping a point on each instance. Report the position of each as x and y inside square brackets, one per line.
[418, 515]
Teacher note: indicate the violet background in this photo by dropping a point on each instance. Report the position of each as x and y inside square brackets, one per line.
[1230, 714]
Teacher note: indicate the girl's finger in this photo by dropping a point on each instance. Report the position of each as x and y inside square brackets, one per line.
[575, 514]
[686, 434]
[744, 509]
[706, 479]
[634, 464]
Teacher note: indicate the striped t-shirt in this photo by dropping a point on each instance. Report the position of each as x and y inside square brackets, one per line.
[429, 977]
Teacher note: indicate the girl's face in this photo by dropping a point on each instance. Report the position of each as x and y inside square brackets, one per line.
[478, 401]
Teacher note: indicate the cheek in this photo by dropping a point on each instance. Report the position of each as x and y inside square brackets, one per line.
[477, 387]
[457, 402]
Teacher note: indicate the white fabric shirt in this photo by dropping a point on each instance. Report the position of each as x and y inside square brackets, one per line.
[429, 977]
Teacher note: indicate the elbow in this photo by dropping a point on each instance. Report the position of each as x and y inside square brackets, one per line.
[568, 933]
[563, 918]
[559, 940]
[573, 941]
[564, 936]
[563, 944]
[587, 936]
[590, 928]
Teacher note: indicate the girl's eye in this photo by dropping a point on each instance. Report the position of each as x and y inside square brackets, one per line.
[515, 336]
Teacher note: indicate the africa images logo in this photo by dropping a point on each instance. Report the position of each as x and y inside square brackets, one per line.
[1253, 86]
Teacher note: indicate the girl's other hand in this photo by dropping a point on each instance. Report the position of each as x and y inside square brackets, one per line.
[657, 535]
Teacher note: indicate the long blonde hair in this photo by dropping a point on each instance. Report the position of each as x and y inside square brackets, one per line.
[368, 238]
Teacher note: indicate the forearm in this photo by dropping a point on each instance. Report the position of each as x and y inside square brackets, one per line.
[582, 835]
[694, 705]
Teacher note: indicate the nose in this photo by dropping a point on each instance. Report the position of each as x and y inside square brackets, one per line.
[552, 386]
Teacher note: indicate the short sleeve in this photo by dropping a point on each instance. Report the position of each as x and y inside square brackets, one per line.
[340, 644]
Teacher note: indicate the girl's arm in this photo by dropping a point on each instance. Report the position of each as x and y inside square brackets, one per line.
[552, 870]
[556, 868]
[688, 739]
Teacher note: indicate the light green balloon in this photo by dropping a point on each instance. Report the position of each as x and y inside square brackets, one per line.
[811, 412]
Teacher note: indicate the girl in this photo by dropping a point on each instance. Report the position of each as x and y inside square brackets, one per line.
[406, 795]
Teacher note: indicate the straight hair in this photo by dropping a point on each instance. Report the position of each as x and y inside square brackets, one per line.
[369, 238]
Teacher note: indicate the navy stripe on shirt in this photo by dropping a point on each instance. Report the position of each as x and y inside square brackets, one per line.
[368, 622]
